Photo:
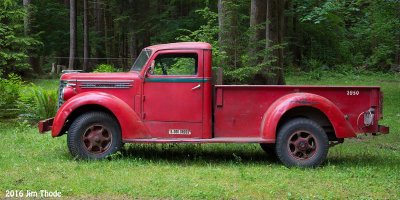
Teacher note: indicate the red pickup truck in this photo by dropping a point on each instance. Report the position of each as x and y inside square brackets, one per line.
[168, 97]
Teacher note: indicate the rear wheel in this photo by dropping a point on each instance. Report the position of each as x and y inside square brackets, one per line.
[302, 142]
[94, 135]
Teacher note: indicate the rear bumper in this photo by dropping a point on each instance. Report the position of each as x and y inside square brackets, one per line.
[383, 129]
[45, 125]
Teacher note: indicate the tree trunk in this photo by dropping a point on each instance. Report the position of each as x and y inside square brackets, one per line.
[297, 41]
[257, 33]
[33, 57]
[274, 36]
[233, 39]
[72, 33]
[85, 36]
[27, 18]
[98, 22]
[397, 56]
[229, 35]
[132, 47]
[146, 38]
[132, 41]
[106, 42]
[220, 20]
[99, 15]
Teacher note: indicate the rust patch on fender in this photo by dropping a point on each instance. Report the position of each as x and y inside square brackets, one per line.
[304, 102]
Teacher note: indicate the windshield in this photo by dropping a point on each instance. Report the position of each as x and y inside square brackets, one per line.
[141, 60]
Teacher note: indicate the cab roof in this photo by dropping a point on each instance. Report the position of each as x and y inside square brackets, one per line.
[180, 45]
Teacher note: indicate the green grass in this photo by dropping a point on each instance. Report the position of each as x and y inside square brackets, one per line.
[363, 168]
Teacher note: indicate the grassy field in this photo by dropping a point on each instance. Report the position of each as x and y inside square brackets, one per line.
[363, 168]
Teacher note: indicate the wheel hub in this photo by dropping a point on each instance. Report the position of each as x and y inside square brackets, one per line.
[97, 139]
[302, 145]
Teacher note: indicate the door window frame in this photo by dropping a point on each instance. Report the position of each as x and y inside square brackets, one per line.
[200, 63]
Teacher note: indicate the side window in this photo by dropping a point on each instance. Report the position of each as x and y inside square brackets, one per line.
[176, 64]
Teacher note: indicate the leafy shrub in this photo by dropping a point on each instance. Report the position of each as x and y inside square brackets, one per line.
[206, 33]
[37, 103]
[313, 64]
[105, 68]
[28, 101]
[315, 74]
[240, 75]
[10, 88]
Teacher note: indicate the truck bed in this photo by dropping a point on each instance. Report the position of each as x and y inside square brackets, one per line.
[239, 109]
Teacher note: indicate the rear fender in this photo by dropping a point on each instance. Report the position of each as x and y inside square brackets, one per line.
[272, 116]
[129, 121]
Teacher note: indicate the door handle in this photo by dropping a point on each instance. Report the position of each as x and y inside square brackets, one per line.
[196, 87]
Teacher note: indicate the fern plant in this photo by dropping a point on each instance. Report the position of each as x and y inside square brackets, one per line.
[46, 103]
[37, 103]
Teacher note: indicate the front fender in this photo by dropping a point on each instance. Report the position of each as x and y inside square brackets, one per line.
[131, 125]
[271, 117]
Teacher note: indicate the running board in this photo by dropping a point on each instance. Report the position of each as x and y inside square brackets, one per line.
[199, 140]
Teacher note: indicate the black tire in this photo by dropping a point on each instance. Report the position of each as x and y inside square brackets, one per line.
[270, 149]
[94, 135]
[302, 142]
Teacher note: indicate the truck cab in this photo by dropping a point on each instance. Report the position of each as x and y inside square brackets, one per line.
[168, 96]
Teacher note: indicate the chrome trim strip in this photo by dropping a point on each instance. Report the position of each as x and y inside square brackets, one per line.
[105, 85]
[98, 80]
[119, 81]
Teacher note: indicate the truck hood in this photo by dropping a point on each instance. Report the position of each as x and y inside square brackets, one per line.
[99, 76]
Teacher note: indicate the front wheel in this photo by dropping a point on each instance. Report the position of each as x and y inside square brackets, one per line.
[302, 142]
[94, 135]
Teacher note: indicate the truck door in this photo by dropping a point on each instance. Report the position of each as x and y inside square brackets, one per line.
[173, 94]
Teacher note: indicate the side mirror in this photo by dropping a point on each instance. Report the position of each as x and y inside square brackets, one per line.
[150, 70]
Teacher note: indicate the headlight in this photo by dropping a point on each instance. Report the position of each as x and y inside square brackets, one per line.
[68, 92]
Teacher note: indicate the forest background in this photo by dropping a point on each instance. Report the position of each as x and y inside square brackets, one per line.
[254, 41]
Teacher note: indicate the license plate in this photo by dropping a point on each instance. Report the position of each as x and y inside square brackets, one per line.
[179, 132]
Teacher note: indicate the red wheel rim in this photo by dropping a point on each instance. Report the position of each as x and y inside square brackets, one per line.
[302, 145]
[97, 139]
